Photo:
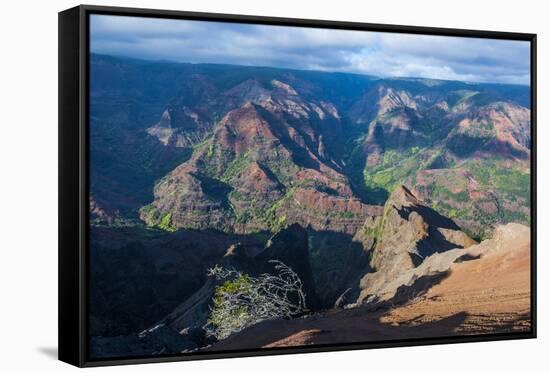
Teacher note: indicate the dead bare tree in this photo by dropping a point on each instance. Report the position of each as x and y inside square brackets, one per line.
[242, 300]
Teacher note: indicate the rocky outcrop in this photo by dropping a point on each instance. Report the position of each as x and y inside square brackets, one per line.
[408, 284]
[489, 283]
[482, 289]
[408, 233]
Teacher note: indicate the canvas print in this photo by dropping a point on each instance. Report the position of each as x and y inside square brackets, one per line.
[264, 187]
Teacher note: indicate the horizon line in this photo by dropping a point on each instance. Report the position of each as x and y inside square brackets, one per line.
[377, 77]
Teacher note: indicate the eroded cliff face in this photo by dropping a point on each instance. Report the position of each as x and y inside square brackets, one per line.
[408, 233]
[418, 248]
[267, 165]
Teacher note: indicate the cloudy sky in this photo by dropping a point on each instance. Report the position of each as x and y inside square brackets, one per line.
[375, 53]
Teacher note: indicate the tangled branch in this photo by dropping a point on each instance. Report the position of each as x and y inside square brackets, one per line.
[242, 300]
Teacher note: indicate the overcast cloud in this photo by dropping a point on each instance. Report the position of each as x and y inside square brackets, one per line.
[375, 53]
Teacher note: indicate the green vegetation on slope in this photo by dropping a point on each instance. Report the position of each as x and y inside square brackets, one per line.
[395, 168]
[512, 181]
[501, 194]
[503, 189]
[166, 223]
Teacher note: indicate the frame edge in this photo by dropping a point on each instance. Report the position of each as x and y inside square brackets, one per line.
[69, 248]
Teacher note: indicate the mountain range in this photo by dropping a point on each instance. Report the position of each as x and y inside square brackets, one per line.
[232, 148]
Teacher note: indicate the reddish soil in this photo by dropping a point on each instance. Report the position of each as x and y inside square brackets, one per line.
[487, 295]
[494, 292]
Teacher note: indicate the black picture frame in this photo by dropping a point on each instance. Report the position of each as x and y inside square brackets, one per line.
[74, 175]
